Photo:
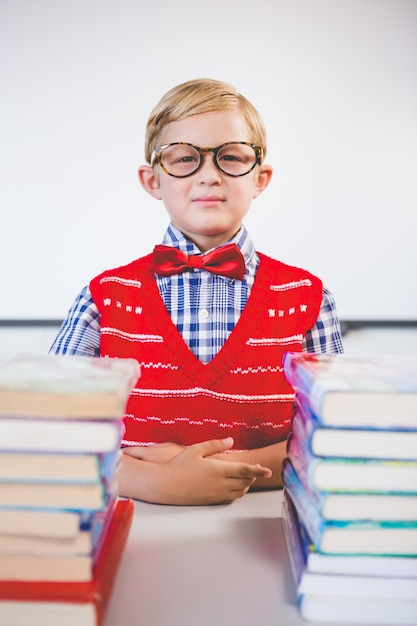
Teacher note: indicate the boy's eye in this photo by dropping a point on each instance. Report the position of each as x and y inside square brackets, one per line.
[236, 154]
[186, 158]
[230, 157]
[177, 155]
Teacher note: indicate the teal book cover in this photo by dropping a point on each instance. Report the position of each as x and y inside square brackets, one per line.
[352, 537]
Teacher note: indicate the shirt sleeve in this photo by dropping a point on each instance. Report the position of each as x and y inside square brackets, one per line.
[325, 335]
[79, 333]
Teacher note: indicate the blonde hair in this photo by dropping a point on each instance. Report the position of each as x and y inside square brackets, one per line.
[198, 96]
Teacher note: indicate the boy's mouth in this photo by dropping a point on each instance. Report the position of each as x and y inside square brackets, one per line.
[208, 199]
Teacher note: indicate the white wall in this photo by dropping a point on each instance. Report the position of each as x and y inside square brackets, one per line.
[335, 81]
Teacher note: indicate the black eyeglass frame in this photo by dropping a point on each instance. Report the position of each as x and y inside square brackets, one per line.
[156, 156]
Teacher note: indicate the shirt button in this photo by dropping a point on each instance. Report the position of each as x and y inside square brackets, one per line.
[203, 314]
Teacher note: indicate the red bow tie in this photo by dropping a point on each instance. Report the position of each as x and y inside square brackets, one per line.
[226, 261]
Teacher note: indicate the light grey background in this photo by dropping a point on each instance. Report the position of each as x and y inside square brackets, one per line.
[335, 81]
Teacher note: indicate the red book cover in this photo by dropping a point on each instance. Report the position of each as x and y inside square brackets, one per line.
[45, 602]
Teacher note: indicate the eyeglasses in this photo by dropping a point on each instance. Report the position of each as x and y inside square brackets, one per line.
[181, 159]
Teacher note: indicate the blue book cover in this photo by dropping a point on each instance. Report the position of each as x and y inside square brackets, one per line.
[354, 505]
[347, 474]
[355, 442]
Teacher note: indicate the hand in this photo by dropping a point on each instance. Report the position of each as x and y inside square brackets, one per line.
[270, 456]
[156, 453]
[191, 477]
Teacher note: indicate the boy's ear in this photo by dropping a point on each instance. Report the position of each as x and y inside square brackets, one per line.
[264, 178]
[149, 181]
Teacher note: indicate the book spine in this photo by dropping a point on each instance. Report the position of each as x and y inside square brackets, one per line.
[304, 372]
[294, 482]
[108, 464]
[293, 541]
[299, 532]
[307, 512]
[294, 373]
[302, 459]
[309, 419]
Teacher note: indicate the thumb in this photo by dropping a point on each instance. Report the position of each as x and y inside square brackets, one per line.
[213, 446]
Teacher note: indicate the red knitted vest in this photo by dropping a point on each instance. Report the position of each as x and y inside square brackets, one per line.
[241, 392]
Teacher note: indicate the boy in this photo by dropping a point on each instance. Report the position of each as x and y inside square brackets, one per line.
[211, 411]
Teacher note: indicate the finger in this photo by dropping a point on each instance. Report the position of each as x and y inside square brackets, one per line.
[243, 470]
[212, 446]
[135, 451]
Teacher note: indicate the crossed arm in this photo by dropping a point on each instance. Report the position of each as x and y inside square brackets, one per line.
[200, 474]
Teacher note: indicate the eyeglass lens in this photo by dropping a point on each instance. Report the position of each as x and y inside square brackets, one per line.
[234, 159]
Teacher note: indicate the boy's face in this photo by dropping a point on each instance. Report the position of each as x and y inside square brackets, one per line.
[208, 206]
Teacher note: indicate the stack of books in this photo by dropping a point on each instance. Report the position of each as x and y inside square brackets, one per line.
[350, 487]
[63, 527]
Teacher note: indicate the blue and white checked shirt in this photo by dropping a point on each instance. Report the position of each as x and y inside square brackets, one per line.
[203, 306]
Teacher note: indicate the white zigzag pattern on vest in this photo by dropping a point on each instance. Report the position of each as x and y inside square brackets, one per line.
[305, 282]
[256, 370]
[156, 366]
[108, 330]
[129, 282]
[201, 391]
[204, 421]
[273, 341]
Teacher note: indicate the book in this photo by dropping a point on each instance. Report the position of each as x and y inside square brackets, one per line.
[348, 474]
[35, 466]
[58, 467]
[46, 567]
[345, 506]
[60, 386]
[54, 565]
[56, 436]
[371, 443]
[356, 391]
[18, 544]
[70, 603]
[42, 523]
[329, 587]
[357, 536]
[308, 559]
[88, 496]
[83, 540]
[346, 610]
[353, 536]
[49, 523]
[339, 585]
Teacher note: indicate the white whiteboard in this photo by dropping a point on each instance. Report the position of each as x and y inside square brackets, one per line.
[335, 81]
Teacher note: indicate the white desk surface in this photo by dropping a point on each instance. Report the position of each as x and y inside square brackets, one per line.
[204, 566]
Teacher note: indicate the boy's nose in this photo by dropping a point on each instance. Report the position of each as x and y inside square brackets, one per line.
[208, 171]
